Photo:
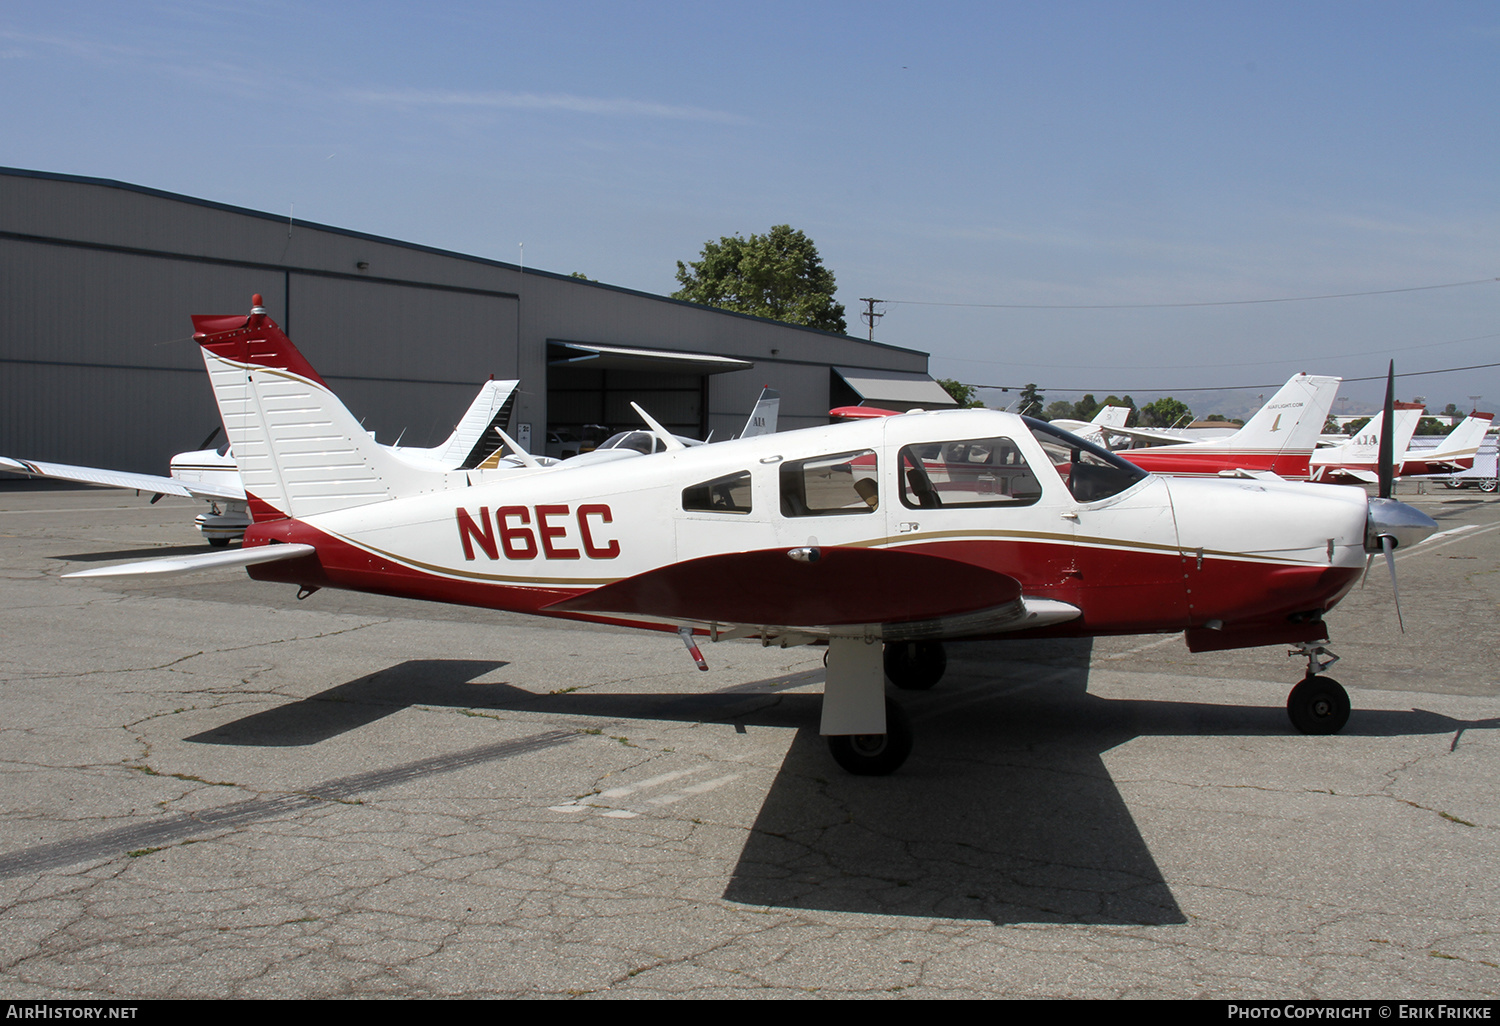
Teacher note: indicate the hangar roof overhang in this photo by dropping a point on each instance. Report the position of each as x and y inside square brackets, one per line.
[590, 356]
[896, 388]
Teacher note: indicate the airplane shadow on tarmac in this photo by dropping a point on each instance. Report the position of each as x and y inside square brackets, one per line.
[1004, 812]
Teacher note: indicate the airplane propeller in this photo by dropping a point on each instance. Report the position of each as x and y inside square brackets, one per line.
[1392, 524]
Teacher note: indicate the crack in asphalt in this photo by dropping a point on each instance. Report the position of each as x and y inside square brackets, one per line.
[340, 790]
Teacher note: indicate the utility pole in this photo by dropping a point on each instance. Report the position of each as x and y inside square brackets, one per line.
[870, 316]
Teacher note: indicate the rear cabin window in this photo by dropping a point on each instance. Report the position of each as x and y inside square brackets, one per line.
[971, 472]
[727, 494]
[842, 483]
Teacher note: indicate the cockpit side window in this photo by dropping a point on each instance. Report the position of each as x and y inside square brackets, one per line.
[1091, 473]
[832, 485]
[971, 472]
[727, 494]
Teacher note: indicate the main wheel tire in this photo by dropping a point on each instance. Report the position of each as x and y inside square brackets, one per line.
[875, 755]
[219, 543]
[915, 665]
[1318, 705]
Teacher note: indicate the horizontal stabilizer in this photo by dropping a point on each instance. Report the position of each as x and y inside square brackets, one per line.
[206, 561]
[805, 587]
[106, 478]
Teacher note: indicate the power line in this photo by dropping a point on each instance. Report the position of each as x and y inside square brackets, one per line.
[1169, 306]
[1231, 388]
[1305, 359]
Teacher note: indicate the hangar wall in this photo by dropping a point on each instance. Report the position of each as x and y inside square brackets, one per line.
[97, 365]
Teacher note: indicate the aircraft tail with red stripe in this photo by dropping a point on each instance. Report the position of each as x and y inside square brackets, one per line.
[299, 449]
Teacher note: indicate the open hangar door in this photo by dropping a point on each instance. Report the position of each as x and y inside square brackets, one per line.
[590, 388]
[887, 389]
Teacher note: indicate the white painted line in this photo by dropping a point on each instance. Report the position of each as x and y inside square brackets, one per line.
[621, 792]
[1455, 536]
[1448, 533]
[712, 785]
[696, 789]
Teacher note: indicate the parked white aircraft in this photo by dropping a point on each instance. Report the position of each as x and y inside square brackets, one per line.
[890, 533]
[1358, 459]
[1454, 454]
[213, 475]
[625, 444]
[1278, 440]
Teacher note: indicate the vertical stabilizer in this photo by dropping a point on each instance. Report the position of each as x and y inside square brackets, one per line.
[763, 417]
[1292, 420]
[299, 450]
[474, 439]
[1461, 444]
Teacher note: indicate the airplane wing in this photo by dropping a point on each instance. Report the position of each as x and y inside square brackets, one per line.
[1148, 435]
[821, 589]
[206, 561]
[120, 479]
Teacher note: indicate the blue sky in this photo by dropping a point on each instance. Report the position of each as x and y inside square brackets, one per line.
[998, 155]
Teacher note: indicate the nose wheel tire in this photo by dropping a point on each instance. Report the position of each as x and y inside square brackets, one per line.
[1318, 705]
[875, 755]
[915, 665]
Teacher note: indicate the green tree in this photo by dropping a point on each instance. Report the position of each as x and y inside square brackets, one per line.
[1031, 402]
[778, 275]
[1085, 408]
[964, 395]
[1165, 412]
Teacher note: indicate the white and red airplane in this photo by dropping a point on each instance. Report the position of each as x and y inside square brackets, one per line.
[1278, 440]
[1106, 422]
[882, 537]
[1358, 458]
[213, 475]
[1454, 453]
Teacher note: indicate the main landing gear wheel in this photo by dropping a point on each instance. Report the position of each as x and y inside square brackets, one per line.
[915, 665]
[1318, 705]
[875, 755]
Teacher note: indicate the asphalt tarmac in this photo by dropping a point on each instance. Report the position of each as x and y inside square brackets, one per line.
[211, 789]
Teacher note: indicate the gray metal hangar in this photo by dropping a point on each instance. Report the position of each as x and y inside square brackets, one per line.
[98, 368]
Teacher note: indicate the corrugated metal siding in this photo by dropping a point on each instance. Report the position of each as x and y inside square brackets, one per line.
[96, 365]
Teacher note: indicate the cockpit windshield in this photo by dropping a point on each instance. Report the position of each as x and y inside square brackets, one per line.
[1090, 472]
[641, 441]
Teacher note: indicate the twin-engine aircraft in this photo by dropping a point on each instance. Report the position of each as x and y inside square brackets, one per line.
[881, 537]
[213, 476]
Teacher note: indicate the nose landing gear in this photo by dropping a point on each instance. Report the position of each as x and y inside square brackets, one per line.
[1318, 704]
